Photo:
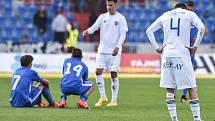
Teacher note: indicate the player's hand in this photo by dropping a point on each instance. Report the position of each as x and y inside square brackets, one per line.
[192, 49]
[85, 33]
[115, 51]
[160, 50]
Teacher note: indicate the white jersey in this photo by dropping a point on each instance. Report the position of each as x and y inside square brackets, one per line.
[111, 27]
[176, 25]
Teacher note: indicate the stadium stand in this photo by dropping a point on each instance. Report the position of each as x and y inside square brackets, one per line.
[18, 22]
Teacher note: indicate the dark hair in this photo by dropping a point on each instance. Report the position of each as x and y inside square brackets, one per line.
[181, 5]
[76, 52]
[112, 0]
[26, 60]
[190, 3]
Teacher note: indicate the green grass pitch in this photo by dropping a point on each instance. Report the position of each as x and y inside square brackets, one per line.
[140, 99]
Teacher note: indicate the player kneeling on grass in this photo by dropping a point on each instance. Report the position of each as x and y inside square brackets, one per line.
[75, 80]
[23, 94]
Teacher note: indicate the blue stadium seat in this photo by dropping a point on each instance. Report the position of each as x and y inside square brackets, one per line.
[34, 38]
[32, 9]
[22, 9]
[137, 10]
[15, 37]
[5, 37]
[46, 37]
[207, 39]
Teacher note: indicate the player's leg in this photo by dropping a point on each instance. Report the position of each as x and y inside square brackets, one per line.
[186, 80]
[171, 104]
[85, 90]
[114, 89]
[194, 104]
[100, 65]
[114, 69]
[183, 95]
[47, 94]
[63, 102]
[168, 81]
[35, 95]
[184, 91]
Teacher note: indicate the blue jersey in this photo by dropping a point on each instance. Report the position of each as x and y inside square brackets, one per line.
[193, 33]
[74, 72]
[21, 86]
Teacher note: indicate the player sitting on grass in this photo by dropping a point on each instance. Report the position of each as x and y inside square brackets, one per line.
[75, 80]
[23, 94]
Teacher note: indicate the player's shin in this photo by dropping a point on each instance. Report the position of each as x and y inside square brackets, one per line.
[115, 89]
[171, 105]
[101, 85]
[46, 93]
[195, 108]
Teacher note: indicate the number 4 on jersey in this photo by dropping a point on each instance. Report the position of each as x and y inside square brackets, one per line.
[175, 28]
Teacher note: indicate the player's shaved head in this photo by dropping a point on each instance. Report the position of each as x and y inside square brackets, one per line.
[112, 0]
[76, 52]
[26, 60]
[181, 5]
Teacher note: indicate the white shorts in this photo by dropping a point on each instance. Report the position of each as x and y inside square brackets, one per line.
[177, 72]
[107, 61]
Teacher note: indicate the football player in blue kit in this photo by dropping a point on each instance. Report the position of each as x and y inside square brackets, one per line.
[75, 80]
[23, 93]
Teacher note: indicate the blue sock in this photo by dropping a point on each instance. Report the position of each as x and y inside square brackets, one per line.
[47, 95]
[184, 92]
[84, 97]
[63, 97]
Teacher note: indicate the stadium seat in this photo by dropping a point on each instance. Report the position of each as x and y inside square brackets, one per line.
[32, 9]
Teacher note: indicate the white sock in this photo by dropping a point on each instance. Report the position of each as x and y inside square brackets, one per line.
[114, 88]
[195, 108]
[171, 105]
[101, 85]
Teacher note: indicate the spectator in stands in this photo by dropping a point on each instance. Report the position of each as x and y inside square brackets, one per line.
[59, 28]
[40, 21]
[72, 38]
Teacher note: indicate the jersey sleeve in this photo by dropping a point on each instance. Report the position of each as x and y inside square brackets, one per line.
[123, 30]
[95, 26]
[35, 76]
[123, 25]
[157, 24]
[200, 26]
[85, 76]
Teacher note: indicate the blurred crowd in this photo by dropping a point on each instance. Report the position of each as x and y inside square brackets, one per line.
[62, 21]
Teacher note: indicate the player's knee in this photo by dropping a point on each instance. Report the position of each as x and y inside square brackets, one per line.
[170, 96]
[113, 74]
[40, 86]
[99, 71]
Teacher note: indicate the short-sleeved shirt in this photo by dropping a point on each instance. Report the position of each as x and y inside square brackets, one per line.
[74, 72]
[21, 86]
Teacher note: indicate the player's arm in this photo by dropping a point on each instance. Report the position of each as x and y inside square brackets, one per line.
[94, 27]
[123, 30]
[201, 30]
[150, 34]
[36, 77]
[85, 76]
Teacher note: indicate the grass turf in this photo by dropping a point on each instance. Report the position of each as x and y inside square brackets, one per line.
[140, 99]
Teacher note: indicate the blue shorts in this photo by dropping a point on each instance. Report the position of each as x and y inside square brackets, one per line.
[77, 89]
[35, 96]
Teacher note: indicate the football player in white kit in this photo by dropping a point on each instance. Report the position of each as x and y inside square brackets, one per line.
[113, 28]
[176, 67]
